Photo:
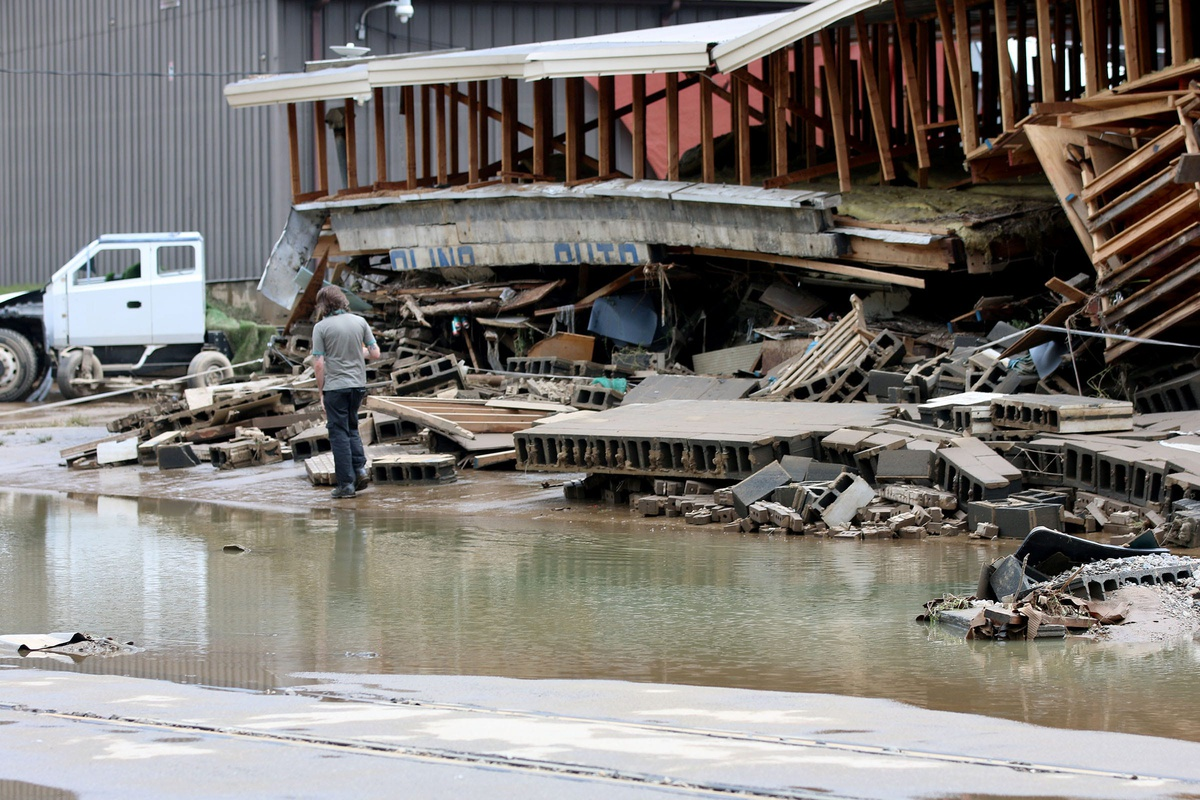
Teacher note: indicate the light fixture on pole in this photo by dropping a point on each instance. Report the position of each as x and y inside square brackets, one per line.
[403, 10]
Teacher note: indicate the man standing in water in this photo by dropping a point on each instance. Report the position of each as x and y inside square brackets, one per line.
[341, 344]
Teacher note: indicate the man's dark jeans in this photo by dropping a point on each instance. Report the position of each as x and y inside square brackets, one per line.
[341, 413]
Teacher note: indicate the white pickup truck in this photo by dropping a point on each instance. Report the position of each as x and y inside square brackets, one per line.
[127, 304]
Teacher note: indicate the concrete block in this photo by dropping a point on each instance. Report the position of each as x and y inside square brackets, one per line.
[651, 505]
[122, 451]
[176, 456]
[759, 485]
[879, 382]
[844, 498]
[903, 466]
[1016, 520]
[796, 466]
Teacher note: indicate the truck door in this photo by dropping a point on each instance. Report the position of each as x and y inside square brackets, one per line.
[109, 297]
[179, 293]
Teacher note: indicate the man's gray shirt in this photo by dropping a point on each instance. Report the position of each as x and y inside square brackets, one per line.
[340, 338]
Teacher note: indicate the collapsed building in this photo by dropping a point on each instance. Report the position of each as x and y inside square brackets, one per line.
[957, 240]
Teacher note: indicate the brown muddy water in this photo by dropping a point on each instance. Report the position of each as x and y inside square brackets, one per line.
[397, 594]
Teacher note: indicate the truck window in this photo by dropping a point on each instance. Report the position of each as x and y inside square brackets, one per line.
[176, 259]
[111, 265]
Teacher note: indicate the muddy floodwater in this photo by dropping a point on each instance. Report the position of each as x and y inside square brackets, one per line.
[377, 592]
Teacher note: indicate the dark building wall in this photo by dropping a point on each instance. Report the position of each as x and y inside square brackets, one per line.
[97, 137]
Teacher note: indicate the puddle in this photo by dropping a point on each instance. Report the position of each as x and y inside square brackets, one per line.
[386, 593]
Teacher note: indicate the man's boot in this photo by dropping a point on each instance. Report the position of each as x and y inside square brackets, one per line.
[343, 491]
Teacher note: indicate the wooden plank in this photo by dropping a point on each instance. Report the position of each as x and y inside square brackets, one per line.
[605, 135]
[1045, 36]
[508, 126]
[293, 150]
[408, 99]
[426, 140]
[1132, 39]
[1004, 65]
[402, 411]
[1159, 254]
[950, 55]
[380, 137]
[543, 125]
[321, 154]
[1154, 292]
[876, 276]
[443, 161]
[836, 110]
[639, 127]
[962, 41]
[879, 121]
[1032, 338]
[452, 145]
[573, 138]
[936, 256]
[740, 126]
[1152, 189]
[1152, 329]
[707, 151]
[1132, 239]
[780, 87]
[1050, 143]
[1069, 292]
[473, 132]
[1109, 116]
[1162, 148]
[603, 291]
[1091, 50]
[672, 126]
[916, 105]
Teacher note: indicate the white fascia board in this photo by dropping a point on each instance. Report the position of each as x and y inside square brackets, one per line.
[467, 66]
[781, 32]
[624, 60]
[296, 87]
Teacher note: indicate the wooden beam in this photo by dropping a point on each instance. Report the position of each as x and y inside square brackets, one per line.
[319, 135]
[739, 110]
[1151, 330]
[638, 171]
[672, 126]
[574, 133]
[1092, 57]
[1109, 116]
[1135, 238]
[408, 100]
[1004, 64]
[1131, 37]
[1045, 38]
[707, 154]
[836, 110]
[380, 136]
[351, 146]
[916, 106]
[875, 276]
[589, 300]
[777, 64]
[967, 120]
[426, 131]
[484, 124]
[508, 126]
[1050, 145]
[543, 125]
[879, 120]
[293, 150]
[1179, 14]
[605, 135]
[473, 132]
[443, 165]
[452, 143]
[1162, 148]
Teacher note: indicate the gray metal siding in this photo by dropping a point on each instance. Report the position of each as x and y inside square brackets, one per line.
[96, 138]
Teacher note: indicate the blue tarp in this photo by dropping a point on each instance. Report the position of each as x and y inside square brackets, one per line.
[626, 318]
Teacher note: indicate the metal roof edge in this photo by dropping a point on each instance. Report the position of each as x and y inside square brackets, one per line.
[779, 33]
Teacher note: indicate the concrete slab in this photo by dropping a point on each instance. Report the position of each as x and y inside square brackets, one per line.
[439, 736]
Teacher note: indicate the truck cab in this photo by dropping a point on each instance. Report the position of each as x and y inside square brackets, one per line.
[130, 304]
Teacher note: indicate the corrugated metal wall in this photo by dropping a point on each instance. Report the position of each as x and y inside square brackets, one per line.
[98, 138]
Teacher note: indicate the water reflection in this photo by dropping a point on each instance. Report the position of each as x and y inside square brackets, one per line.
[347, 592]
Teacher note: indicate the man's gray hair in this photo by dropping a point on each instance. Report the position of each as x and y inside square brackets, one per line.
[331, 299]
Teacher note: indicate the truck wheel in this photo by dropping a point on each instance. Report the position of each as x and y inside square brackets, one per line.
[208, 368]
[76, 366]
[18, 366]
